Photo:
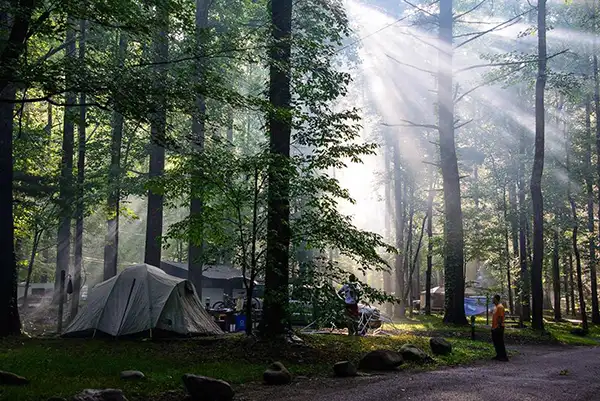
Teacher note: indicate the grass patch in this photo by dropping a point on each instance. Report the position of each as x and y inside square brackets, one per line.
[556, 332]
[61, 367]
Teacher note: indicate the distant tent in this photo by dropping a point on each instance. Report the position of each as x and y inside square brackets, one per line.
[143, 298]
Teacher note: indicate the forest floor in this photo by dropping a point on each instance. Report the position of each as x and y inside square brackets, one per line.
[536, 373]
[63, 367]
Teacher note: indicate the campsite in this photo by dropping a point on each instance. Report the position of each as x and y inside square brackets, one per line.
[299, 200]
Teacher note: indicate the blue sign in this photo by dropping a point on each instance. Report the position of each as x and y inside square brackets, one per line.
[476, 306]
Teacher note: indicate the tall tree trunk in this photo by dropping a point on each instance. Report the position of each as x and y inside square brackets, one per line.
[454, 310]
[514, 232]
[584, 320]
[566, 283]
[14, 42]
[111, 245]
[407, 293]
[400, 309]
[429, 254]
[537, 291]
[154, 220]
[572, 282]
[593, 271]
[10, 324]
[507, 253]
[66, 169]
[388, 277]
[524, 292]
[556, 272]
[195, 246]
[278, 203]
[79, 203]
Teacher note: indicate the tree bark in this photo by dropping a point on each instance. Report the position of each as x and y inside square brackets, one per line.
[10, 323]
[388, 277]
[79, 202]
[572, 282]
[407, 290]
[584, 320]
[195, 246]
[276, 300]
[593, 267]
[537, 291]
[400, 309]
[507, 253]
[15, 43]
[111, 245]
[566, 283]
[154, 220]
[556, 273]
[454, 310]
[63, 253]
[429, 255]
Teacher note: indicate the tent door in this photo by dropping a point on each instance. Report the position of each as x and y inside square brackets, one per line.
[126, 307]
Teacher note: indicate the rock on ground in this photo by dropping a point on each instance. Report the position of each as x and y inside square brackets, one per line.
[277, 374]
[108, 394]
[412, 353]
[202, 388]
[132, 375]
[440, 346]
[345, 369]
[11, 379]
[381, 360]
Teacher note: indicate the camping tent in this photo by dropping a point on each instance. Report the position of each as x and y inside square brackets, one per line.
[143, 298]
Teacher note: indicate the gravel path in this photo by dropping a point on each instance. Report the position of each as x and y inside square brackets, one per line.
[535, 374]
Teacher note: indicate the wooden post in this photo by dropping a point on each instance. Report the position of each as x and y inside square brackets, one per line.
[61, 301]
[473, 327]
[487, 309]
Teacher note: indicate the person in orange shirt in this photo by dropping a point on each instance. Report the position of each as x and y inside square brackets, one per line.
[498, 330]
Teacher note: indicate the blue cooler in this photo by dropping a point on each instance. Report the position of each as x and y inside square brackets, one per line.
[240, 323]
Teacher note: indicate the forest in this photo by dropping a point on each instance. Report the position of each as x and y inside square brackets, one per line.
[415, 143]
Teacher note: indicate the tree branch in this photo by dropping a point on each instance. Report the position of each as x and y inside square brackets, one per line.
[421, 9]
[472, 67]
[486, 83]
[463, 124]
[502, 25]
[412, 66]
[408, 123]
[470, 11]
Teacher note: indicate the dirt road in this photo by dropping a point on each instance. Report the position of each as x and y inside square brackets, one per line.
[535, 374]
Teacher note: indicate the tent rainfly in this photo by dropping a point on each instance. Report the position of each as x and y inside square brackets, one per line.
[143, 298]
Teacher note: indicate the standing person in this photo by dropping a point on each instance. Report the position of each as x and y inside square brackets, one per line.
[350, 293]
[498, 330]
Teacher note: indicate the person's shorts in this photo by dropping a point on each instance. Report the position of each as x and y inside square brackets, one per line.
[352, 310]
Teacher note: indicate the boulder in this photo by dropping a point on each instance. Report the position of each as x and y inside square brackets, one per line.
[412, 353]
[345, 369]
[381, 360]
[277, 374]
[439, 346]
[11, 379]
[132, 375]
[202, 388]
[108, 394]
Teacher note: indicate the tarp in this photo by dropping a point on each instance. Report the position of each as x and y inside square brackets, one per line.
[476, 306]
[142, 298]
